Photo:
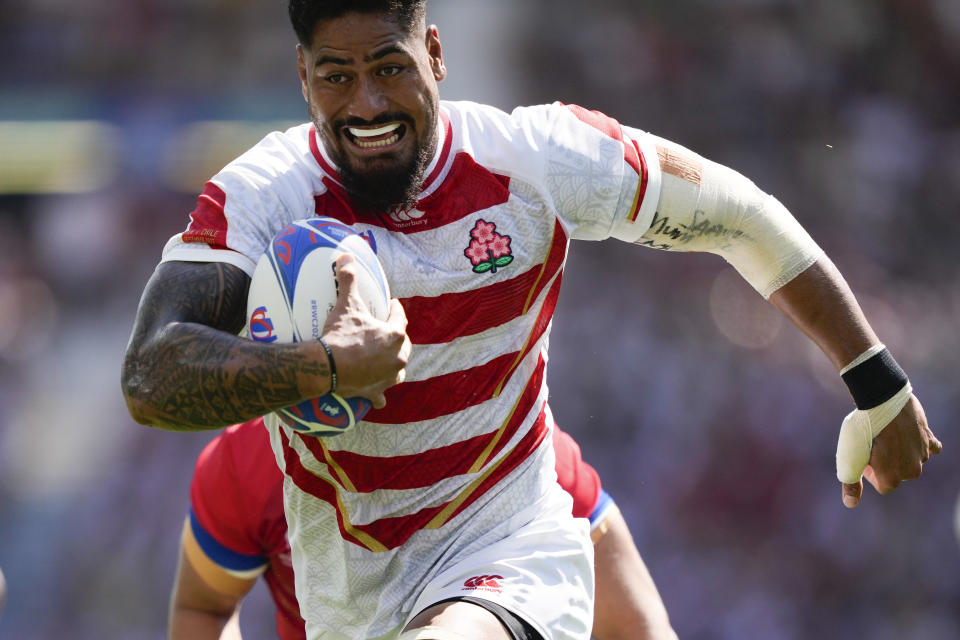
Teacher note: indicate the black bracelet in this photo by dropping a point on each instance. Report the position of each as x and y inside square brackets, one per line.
[333, 365]
[875, 380]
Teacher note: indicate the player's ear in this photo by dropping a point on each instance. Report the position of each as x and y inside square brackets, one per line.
[302, 71]
[435, 51]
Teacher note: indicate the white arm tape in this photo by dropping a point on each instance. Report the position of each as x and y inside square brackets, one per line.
[705, 206]
[859, 429]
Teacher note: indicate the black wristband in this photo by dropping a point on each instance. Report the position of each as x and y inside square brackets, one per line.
[333, 365]
[875, 380]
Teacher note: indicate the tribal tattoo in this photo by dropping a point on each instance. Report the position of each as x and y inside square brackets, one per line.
[185, 367]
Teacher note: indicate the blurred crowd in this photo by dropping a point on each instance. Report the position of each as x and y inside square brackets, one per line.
[711, 420]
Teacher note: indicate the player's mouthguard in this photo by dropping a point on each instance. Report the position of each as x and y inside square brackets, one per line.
[373, 133]
[378, 137]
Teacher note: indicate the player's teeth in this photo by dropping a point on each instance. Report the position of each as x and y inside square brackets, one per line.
[378, 143]
[370, 133]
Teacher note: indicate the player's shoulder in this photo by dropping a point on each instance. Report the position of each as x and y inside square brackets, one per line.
[240, 455]
[528, 132]
[577, 478]
[475, 116]
[567, 451]
[279, 148]
[248, 438]
[236, 499]
[280, 155]
[517, 143]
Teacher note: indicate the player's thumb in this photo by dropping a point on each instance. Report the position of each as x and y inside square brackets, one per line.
[853, 454]
[852, 493]
[345, 270]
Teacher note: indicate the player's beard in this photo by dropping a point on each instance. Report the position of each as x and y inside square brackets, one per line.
[385, 188]
[389, 181]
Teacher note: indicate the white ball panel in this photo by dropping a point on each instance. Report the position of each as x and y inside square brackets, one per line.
[316, 292]
[266, 292]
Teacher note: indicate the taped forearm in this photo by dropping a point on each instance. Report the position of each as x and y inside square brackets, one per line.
[705, 206]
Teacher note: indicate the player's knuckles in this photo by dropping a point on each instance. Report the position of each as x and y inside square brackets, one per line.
[934, 445]
[887, 487]
[398, 315]
[406, 349]
[888, 481]
[397, 343]
[911, 469]
[396, 307]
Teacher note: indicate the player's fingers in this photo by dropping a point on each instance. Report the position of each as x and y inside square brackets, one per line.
[886, 481]
[379, 401]
[343, 260]
[344, 270]
[871, 476]
[851, 494]
[404, 358]
[935, 445]
[397, 315]
[398, 321]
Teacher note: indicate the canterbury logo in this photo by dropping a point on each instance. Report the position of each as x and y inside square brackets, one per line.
[406, 215]
[487, 583]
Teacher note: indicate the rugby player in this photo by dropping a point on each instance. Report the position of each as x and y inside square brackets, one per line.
[396, 525]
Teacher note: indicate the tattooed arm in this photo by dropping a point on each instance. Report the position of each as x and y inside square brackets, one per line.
[186, 369]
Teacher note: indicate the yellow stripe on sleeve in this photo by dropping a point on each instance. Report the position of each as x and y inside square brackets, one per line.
[220, 579]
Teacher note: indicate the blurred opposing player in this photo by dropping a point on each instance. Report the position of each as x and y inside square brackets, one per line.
[236, 533]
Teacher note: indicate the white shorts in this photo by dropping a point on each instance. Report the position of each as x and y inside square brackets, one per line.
[543, 573]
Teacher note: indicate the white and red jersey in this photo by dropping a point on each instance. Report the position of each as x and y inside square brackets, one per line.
[237, 519]
[461, 446]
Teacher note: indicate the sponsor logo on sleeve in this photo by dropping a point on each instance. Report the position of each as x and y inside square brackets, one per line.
[483, 583]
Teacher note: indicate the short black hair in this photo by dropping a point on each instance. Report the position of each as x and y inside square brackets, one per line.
[305, 14]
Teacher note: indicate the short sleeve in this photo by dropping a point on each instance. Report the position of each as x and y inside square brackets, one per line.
[230, 497]
[248, 201]
[576, 477]
[603, 178]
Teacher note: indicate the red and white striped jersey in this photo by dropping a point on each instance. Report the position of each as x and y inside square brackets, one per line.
[461, 446]
[238, 523]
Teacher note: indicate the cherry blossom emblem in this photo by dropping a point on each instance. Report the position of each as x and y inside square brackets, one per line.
[488, 250]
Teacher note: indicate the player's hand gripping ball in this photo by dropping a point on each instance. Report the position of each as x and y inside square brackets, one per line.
[293, 289]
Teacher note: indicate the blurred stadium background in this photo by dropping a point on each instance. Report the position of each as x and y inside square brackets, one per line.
[711, 421]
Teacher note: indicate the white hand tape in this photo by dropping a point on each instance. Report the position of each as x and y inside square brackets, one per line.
[859, 429]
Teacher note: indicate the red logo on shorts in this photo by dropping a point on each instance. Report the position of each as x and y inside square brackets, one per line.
[485, 583]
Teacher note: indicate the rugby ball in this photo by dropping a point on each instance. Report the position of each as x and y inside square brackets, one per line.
[294, 287]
